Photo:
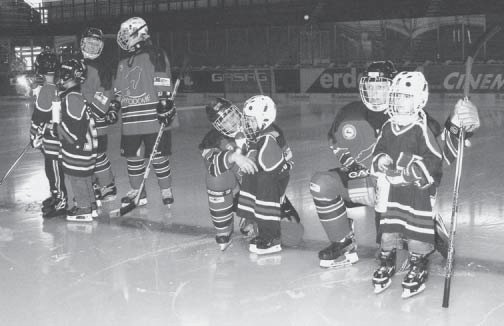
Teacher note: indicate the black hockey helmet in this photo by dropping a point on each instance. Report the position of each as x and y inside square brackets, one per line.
[73, 72]
[46, 63]
[224, 116]
[92, 43]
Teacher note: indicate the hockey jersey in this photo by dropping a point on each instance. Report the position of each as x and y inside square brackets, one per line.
[77, 132]
[97, 94]
[41, 120]
[139, 79]
[409, 207]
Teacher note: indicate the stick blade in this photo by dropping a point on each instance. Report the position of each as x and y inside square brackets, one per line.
[123, 210]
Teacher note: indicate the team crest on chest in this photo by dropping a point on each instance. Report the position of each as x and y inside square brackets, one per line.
[349, 131]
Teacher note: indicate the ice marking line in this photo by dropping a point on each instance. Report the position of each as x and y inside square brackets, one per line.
[200, 241]
[485, 317]
[175, 296]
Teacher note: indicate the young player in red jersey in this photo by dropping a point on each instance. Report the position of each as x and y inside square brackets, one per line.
[143, 84]
[78, 136]
[43, 134]
[97, 90]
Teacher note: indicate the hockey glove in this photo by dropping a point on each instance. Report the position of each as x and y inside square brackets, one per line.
[166, 110]
[36, 141]
[360, 185]
[112, 116]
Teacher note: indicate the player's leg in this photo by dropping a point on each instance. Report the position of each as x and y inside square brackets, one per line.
[269, 195]
[56, 177]
[130, 148]
[220, 204]
[382, 277]
[103, 171]
[329, 193]
[414, 281]
[84, 196]
[161, 164]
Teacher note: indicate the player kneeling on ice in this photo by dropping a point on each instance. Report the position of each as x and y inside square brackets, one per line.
[409, 157]
[261, 194]
[78, 136]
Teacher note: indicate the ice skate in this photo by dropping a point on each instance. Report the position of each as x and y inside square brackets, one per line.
[59, 208]
[49, 201]
[108, 193]
[382, 276]
[78, 214]
[167, 196]
[224, 241]
[264, 247]
[131, 196]
[339, 254]
[414, 281]
[248, 228]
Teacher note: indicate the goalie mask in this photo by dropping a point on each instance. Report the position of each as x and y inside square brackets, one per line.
[92, 43]
[259, 112]
[408, 96]
[46, 63]
[225, 117]
[72, 73]
[133, 34]
[374, 85]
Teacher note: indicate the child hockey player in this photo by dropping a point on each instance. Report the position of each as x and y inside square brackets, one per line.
[261, 193]
[77, 133]
[43, 134]
[408, 154]
[223, 162]
[97, 92]
[144, 87]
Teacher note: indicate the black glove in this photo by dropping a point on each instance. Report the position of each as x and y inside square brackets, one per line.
[112, 116]
[166, 110]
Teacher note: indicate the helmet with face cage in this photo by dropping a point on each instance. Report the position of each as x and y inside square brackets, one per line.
[374, 85]
[133, 34]
[72, 73]
[92, 43]
[259, 112]
[409, 93]
[225, 117]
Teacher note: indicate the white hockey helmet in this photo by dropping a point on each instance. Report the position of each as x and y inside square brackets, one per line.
[133, 34]
[374, 85]
[91, 43]
[409, 93]
[224, 116]
[259, 112]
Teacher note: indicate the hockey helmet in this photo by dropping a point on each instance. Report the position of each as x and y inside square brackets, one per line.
[72, 73]
[374, 85]
[46, 63]
[132, 34]
[409, 93]
[259, 112]
[92, 43]
[224, 116]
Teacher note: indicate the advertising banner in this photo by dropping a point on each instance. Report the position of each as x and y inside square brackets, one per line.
[451, 78]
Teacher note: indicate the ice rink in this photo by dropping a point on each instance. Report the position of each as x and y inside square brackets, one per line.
[160, 266]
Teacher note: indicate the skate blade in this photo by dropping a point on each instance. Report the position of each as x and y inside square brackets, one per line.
[379, 288]
[407, 293]
[350, 258]
[270, 260]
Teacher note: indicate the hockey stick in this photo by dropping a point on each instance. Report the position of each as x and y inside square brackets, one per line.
[23, 152]
[132, 205]
[458, 167]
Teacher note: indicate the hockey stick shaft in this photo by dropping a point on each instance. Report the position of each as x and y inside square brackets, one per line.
[458, 167]
[20, 156]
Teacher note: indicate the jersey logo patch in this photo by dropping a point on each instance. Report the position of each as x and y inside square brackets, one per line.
[349, 131]
[161, 81]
